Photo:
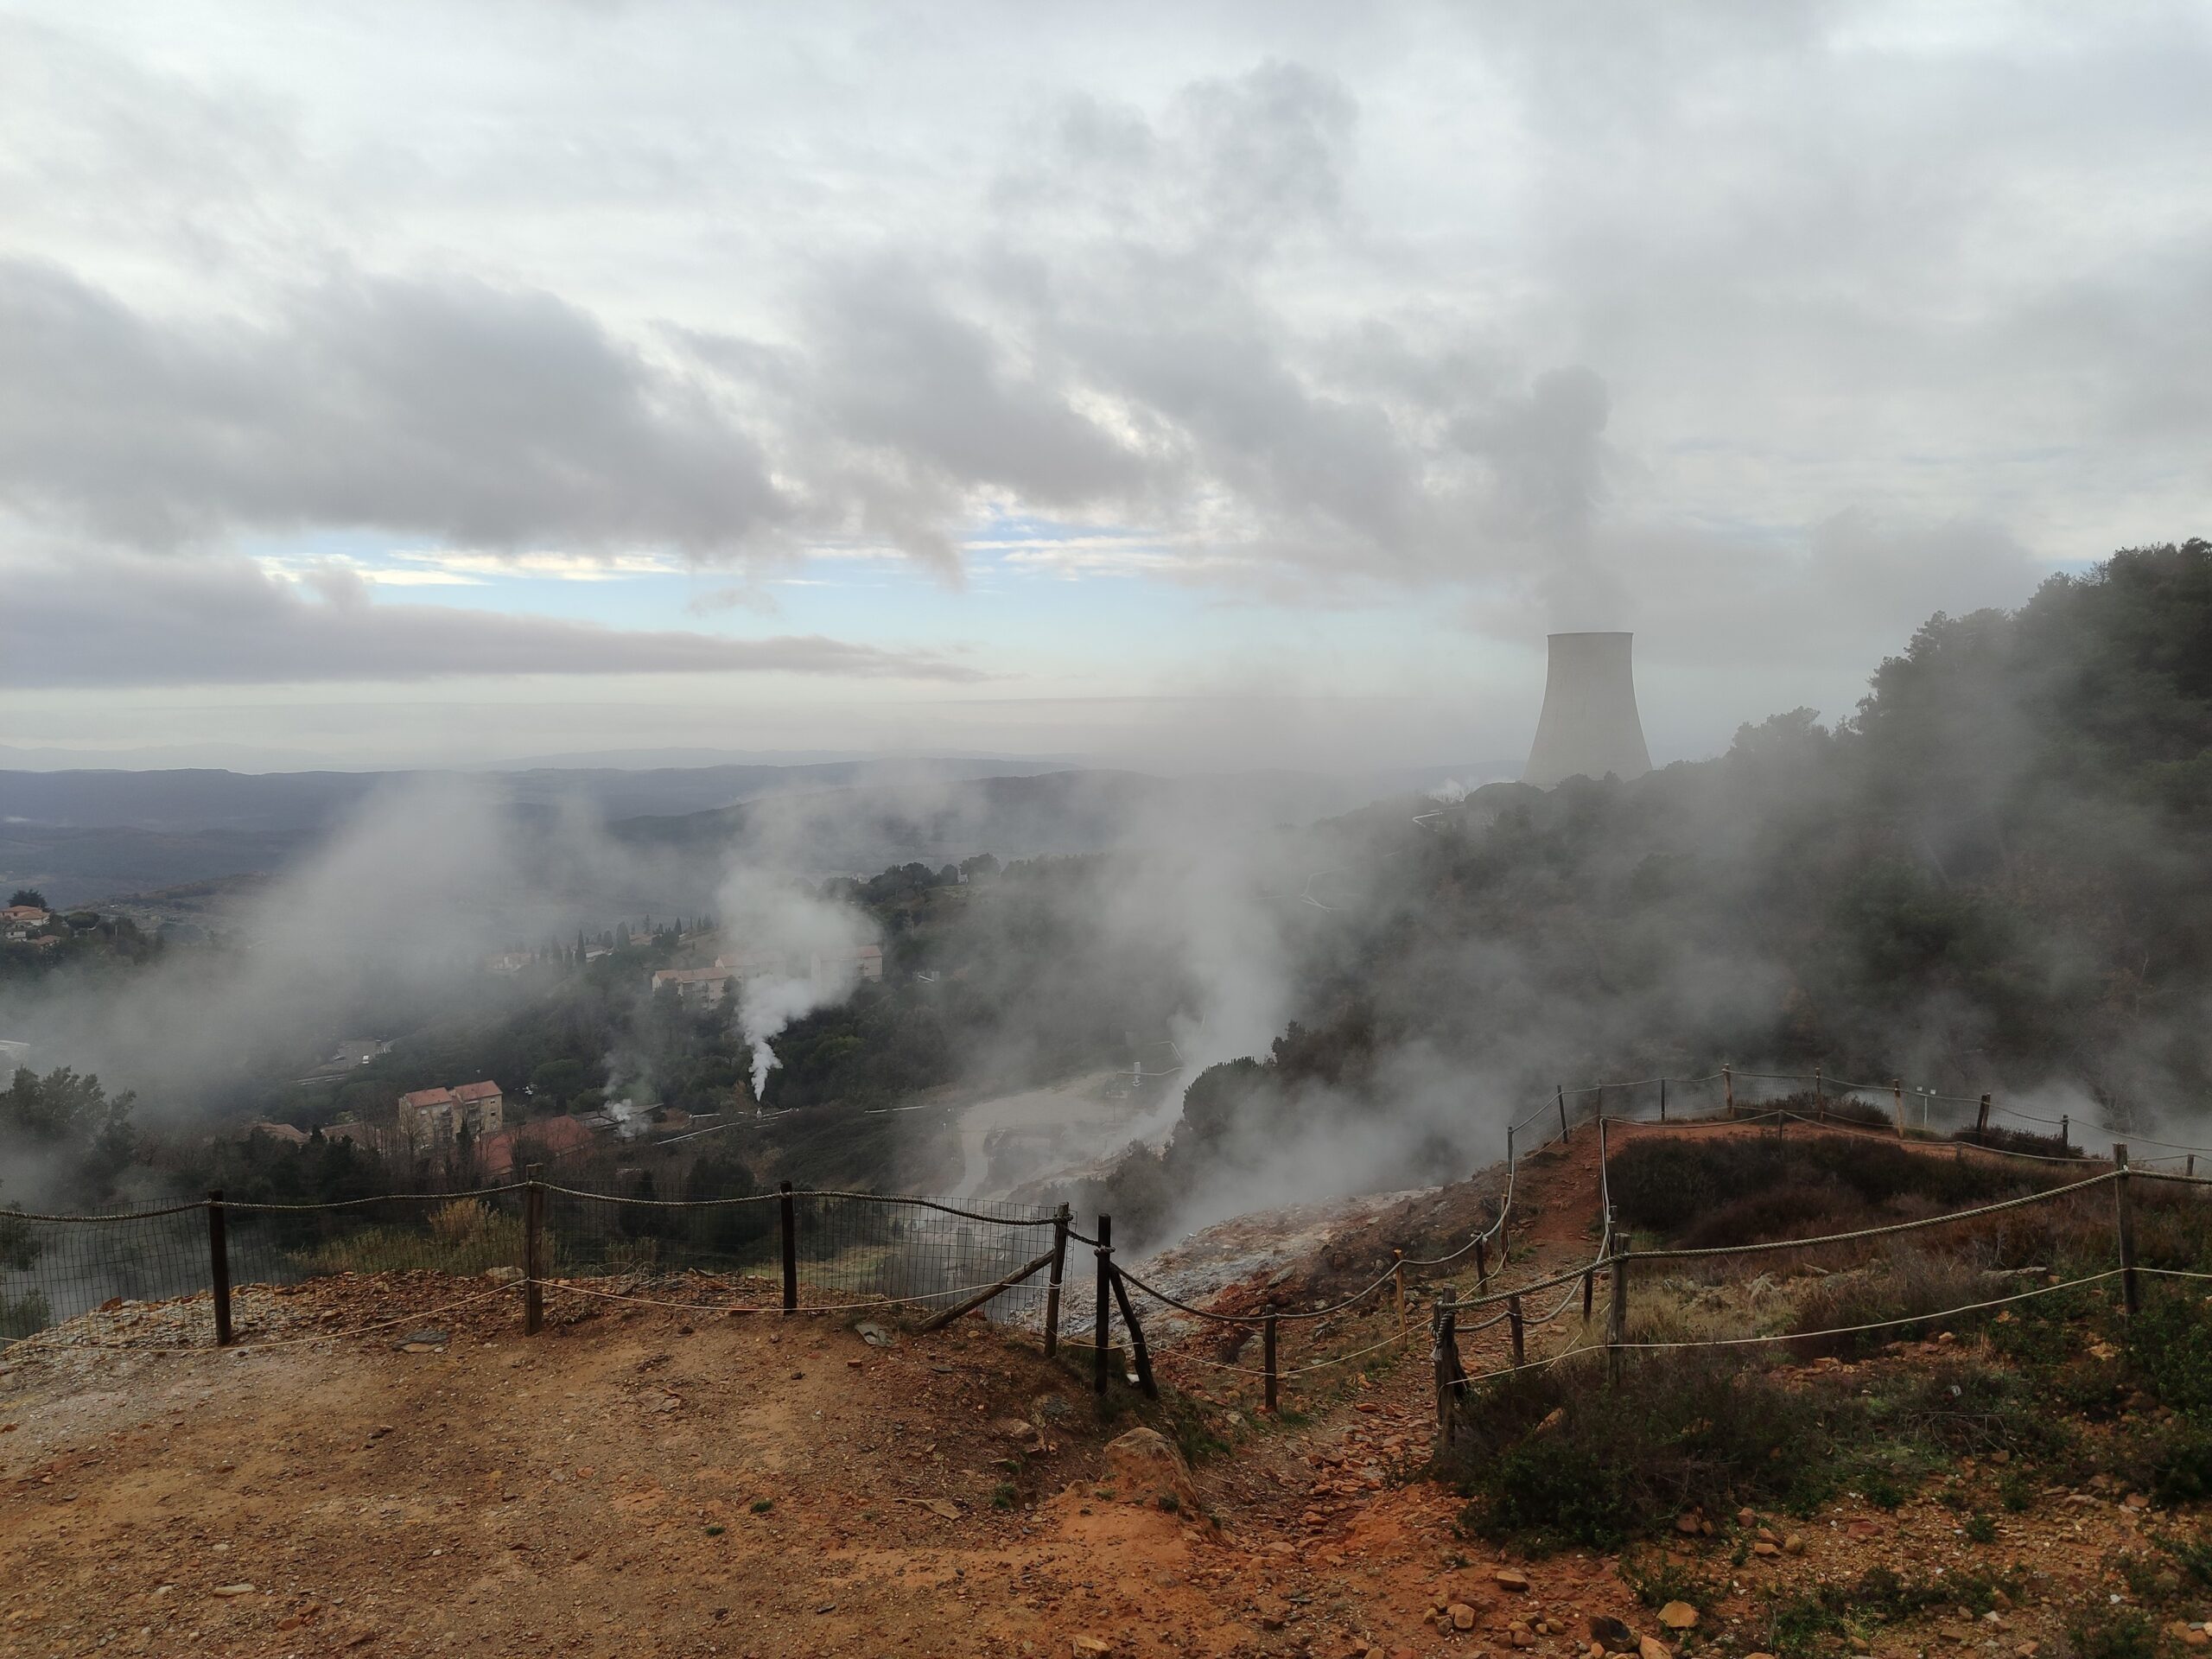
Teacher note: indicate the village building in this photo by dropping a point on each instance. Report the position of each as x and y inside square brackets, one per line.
[21, 921]
[705, 986]
[431, 1117]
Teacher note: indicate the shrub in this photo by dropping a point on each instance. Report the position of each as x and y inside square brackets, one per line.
[1895, 1294]
[2172, 1343]
[1722, 1190]
[2193, 1555]
[463, 1237]
[21, 1315]
[2102, 1631]
[1971, 1409]
[1678, 1431]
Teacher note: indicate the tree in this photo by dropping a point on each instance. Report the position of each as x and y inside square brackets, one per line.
[71, 1118]
[30, 896]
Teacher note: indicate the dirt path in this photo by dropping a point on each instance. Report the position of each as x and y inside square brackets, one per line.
[642, 1482]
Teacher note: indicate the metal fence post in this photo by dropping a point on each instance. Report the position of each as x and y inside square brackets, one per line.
[1616, 1312]
[1728, 1088]
[2130, 1295]
[790, 1248]
[219, 1260]
[1398, 1284]
[2065, 1131]
[1562, 1111]
[1897, 1094]
[1981, 1118]
[1052, 1284]
[1662, 1100]
[1819, 1098]
[1268, 1357]
[1102, 1331]
[533, 1252]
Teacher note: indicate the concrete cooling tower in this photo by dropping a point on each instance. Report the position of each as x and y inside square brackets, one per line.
[1589, 725]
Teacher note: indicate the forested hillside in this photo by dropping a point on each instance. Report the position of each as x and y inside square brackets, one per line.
[1992, 875]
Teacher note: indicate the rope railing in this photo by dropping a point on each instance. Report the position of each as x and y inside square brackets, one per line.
[849, 1248]
[1618, 1263]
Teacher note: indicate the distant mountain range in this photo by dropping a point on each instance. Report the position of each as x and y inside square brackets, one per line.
[86, 837]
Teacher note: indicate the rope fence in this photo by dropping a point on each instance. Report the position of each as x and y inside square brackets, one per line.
[833, 1251]
[784, 1251]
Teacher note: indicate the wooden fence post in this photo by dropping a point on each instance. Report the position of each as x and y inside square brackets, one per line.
[1398, 1284]
[1819, 1098]
[1450, 1374]
[1102, 1331]
[1562, 1111]
[533, 1252]
[1053, 1285]
[2130, 1294]
[2066, 1131]
[1513, 1326]
[1728, 1088]
[790, 1249]
[1138, 1352]
[219, 1262]
[1482, 1263]
[1268, 1357]
[1897, 1094]
[1662, 1100]
[1589, 1291]
[1981, 1118]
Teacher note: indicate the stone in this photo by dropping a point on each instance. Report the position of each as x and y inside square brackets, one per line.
[1793, 1544]
[1145, 1464]
[1524, 1638]
[1650, 1647]
[504, 1275]
[1462, 1616]
[1611, 1634]
[1678, 1616]
[873, 1334]
[1090, 1647]
[1687, 1525]
[1508, 1578]
[227, 1591]
[1766, 1551]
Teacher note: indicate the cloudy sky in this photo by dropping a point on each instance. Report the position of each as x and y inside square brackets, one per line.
[1191, 385]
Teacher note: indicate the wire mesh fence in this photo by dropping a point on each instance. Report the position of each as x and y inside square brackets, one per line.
[56, 1268]
[764, 1251]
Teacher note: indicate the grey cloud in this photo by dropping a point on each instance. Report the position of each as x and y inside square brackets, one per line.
[1555, 306]
[488, 416]
[120, 619]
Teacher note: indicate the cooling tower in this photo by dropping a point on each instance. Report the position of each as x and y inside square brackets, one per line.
[1589, 725]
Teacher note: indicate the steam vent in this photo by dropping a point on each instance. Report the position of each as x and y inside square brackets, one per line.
[1589, 725]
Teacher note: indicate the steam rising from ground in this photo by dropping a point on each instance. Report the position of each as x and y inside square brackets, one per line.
[796, 950]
